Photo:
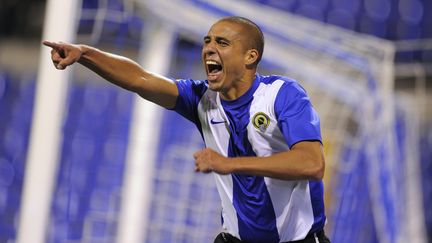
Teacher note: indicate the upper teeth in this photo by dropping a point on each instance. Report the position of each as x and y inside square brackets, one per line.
[211, 63]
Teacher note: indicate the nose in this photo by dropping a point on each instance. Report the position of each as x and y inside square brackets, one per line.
[209, 48]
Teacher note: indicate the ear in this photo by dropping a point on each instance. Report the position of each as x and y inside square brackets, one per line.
[251, 56]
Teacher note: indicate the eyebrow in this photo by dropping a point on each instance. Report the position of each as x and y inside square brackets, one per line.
[218, 38]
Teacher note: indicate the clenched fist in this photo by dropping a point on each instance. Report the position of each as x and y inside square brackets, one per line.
[207, 160]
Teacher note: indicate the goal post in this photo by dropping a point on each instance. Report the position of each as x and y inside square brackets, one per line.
[44, 144]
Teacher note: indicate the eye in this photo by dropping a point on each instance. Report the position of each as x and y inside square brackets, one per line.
[222, 43]
[206, 40]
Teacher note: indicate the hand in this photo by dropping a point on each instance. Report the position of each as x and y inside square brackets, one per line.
[63, 54]
[207, 160]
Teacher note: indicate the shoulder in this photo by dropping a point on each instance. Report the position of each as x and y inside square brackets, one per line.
[286, 86]
[188, 86]
[191, 82]
[290, 96]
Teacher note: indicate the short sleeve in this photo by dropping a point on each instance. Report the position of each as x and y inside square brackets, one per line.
[190, 93]
[296, 117]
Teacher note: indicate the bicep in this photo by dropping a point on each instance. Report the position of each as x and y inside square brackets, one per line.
[312, 155]
[312, 148]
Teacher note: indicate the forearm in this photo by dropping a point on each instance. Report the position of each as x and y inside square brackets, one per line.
[296, 164]
[116, 69]
[129, 75]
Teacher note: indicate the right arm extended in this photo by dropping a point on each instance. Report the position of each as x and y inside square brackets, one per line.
[118, 70]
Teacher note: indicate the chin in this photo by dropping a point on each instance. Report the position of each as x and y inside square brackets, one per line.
[214, 87]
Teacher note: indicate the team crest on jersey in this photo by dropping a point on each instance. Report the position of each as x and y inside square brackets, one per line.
[260, 121]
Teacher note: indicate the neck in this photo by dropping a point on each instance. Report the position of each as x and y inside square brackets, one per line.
[239, 87]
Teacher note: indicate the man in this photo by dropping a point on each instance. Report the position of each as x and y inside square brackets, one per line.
[262, 135]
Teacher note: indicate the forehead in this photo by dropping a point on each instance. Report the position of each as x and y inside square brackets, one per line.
[226, 29]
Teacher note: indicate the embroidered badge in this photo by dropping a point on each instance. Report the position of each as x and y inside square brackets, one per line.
[260, 121]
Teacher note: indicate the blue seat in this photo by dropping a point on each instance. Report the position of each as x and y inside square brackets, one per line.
[372, 26]
[115, 5]
[351, 6]
[109, 177]
[320, 4]
[96, 100]
[342, 18]
[135, 27]
[377, 10]
[114, 151]
[99, 229]
[7, 172]
[121, 106]
[86, 25]
[100, 200]
[82, 149]
[411, 12]
[311, 11]
[14, 141]
[92, 4]
[287, 5]
[3, 199]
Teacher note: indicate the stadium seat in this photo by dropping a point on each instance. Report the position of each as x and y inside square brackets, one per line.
[3, 199]
[372, 26]
[351, 6]
[114, 151]
[96, 100]
[342, 18]
[92, 164]
[14, 141]
[311, 11]
[99, 228]
[411, 11]
[7, 172]
[378, 10]
[100, 200]
[90, 4]
[287, 5]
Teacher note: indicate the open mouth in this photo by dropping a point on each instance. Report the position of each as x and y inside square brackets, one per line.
[213, 68]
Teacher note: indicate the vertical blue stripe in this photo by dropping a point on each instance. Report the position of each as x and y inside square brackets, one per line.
[316, 189]
[255, 213]
[251, 199]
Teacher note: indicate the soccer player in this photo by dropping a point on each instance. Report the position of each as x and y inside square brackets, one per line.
[262, 135]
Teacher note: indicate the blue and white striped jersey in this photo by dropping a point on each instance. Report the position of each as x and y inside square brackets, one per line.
[272, 116]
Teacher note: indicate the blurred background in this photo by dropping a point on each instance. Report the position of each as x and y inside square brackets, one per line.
[109, 167]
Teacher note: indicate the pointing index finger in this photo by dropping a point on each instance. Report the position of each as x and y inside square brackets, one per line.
[53, 45]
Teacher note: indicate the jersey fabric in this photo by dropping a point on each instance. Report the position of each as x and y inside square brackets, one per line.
[272, 116]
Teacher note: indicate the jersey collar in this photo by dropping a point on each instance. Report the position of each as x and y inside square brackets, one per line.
[245, 98]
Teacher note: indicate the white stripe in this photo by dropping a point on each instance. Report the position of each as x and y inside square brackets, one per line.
[291, 199]
[216, 137]
[316, 238]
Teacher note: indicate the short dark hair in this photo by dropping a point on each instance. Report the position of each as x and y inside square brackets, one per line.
[257, 36]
